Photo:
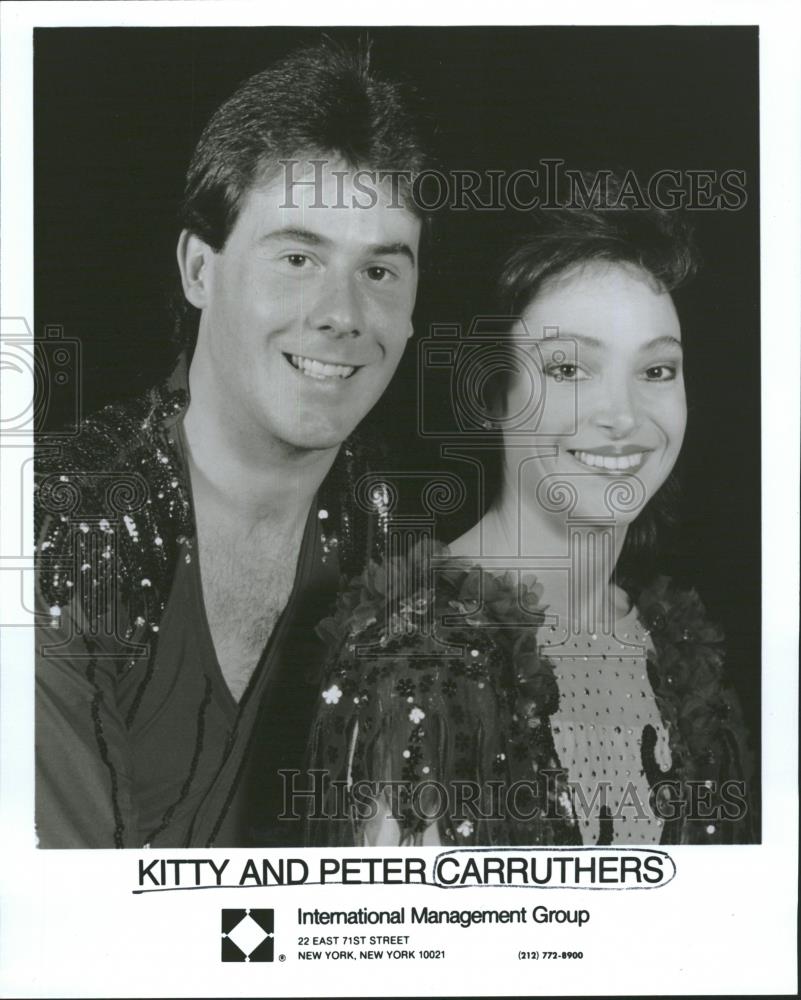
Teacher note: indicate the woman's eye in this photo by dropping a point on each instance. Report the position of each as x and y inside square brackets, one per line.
[565, 373]
[660, 373]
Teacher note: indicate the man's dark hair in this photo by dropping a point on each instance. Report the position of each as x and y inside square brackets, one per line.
[658, 241]
[313, 103]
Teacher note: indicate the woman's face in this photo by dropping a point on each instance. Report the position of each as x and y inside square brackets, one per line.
[607, 343]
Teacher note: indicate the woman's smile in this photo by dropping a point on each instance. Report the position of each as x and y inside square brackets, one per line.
[607, 459]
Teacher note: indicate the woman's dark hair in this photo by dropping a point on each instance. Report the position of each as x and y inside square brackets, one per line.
[316, 102]
[658, 241]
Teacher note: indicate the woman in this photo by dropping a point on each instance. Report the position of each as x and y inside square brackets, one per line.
[515, 688]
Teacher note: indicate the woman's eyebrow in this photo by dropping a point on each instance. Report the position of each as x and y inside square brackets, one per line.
[581, 339]
[664, 341]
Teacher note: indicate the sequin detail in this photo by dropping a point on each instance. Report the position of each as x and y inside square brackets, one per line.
[113, 517]
[605, 702]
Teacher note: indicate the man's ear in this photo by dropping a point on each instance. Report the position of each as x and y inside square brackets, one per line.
[410, 334]
[194, 258]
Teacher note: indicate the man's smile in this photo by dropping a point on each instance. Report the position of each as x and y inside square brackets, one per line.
[320, 370]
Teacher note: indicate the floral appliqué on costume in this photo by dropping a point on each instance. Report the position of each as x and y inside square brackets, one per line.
[446, 684]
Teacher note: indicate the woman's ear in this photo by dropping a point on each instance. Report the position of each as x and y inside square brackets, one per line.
[194, 264]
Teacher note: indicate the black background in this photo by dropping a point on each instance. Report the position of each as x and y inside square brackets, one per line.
[118, 111]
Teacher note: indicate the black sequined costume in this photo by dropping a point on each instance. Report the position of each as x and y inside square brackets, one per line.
[139, 740]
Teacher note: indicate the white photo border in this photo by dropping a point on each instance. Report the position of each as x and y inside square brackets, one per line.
[765, 871]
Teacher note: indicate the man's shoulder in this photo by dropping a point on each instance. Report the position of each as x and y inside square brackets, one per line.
[112, 501]
[114, 461]
[111, 437]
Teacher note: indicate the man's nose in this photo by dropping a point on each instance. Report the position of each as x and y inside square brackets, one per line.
[336, 309]
[617, 412]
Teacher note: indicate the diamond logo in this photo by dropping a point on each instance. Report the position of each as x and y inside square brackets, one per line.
[247, 936]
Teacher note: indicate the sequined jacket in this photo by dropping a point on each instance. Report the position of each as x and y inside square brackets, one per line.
[113, 512]
[447, 684]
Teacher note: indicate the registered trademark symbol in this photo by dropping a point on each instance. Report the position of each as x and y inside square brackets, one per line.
[282, 958]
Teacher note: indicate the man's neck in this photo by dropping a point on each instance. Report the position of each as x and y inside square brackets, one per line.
[252, 480]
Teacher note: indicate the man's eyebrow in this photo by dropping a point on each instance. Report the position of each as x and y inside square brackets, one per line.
[298, 233]
[310, 238]
[391, 249]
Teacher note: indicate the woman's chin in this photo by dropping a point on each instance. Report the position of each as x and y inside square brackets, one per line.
[593, 499]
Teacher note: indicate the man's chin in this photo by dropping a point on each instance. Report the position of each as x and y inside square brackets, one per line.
[309, 439]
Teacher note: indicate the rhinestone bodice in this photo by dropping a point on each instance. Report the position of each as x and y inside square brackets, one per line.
[605, 703]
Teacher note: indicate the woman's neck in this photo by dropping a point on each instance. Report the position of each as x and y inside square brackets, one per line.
[573, 561]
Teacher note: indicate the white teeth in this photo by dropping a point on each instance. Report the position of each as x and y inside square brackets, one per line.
[319, 370]
[615, 463]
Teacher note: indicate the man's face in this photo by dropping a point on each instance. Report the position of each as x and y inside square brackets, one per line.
[307, 309]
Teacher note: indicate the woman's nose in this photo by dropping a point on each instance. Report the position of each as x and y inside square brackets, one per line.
[617, 411]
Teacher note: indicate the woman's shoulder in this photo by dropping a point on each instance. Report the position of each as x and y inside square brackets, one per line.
[673, 611]
[431, 588]
[695, 691]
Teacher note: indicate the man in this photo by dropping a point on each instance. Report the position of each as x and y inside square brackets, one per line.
[183, 537]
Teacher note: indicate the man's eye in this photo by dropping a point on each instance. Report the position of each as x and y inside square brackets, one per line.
[377, 273]
[660, 373]
[297, 260]
[565, 373]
